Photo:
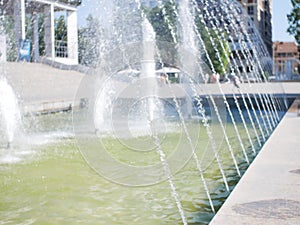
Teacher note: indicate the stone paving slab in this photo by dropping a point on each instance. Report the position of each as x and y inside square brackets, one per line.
[269, 191]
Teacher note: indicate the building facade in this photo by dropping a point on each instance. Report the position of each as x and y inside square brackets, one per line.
[286, 60]
[260, 12]
[21, 10]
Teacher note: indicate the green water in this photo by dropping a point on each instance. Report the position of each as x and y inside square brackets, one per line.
[53, 184]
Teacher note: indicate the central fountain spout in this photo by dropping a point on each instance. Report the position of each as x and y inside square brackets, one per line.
[148, 66]
[148, 63]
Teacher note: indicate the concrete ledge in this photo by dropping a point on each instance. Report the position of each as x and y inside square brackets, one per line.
[47, 107]
[60, 64]
[269, 191]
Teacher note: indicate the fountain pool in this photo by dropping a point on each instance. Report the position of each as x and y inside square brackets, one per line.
[147, 145]
[52, 182]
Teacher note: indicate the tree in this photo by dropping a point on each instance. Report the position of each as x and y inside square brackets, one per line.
[294, 21]
[213, 42]
[7, 24]
[61, 32]
[164, 33]
[61, 37]
[164, 22]
[41, 28]
[72, 2]
[41, 31]
[160, 23]
[89, 40]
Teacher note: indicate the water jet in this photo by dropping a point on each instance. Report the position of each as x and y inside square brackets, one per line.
[166, 152]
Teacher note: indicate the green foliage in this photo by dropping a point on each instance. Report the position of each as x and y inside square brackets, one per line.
[41, 28]
[72, 2]
[162, 25]
[294, 21]
[163, 21]
[89, 39]
[61, 37]
[61, 32]
[41, 32]
[211, 39]
[7, 23]
[214, 42]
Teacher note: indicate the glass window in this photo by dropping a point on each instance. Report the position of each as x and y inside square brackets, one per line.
[251, 10]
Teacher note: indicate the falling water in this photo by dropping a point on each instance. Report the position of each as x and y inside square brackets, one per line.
[184, 14]
[189, 42]
[245, 71]
[220, 88]
[148, 64]
[211, 18]
[186, 37]
[163, 193]
[9, 111]
[103, 106]
[148, 71]
[263, 97]
[260, 52]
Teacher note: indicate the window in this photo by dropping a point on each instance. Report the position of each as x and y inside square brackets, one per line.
[251, 10]
[251, 30]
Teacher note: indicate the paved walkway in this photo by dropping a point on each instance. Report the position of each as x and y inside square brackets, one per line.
[43, 88]
[40, 87]
[269, 192]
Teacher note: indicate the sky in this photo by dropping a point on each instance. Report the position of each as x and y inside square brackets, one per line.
[94, 7]
[280, 23]
[280, 9]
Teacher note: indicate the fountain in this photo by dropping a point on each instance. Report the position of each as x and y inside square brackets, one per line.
[142, 50]
[9, 112]
[168, 138]
[203, 38]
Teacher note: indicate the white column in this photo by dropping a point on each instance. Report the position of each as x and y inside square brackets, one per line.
[72, 36]
[23, 18]
[49, 31]
[19, 17]
[35, 49]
